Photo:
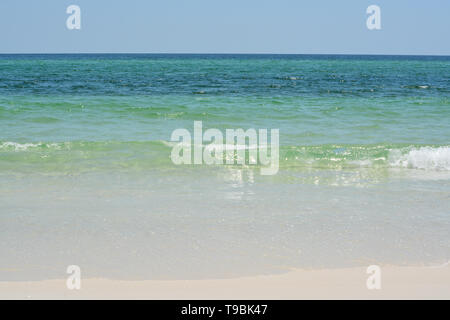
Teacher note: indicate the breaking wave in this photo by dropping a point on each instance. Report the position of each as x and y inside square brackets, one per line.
[152, 154]
[426, 158]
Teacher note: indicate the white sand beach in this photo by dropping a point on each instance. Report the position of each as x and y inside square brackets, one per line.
[396, 283]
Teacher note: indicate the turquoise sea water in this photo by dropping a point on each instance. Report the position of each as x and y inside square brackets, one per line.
[86, 175]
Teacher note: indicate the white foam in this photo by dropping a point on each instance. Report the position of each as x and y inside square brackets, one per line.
[18, 146]
[426, 158]
[25, 146]
[215, 146]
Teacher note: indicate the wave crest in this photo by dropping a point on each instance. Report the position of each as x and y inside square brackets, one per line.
[15, 146]
[427, 158]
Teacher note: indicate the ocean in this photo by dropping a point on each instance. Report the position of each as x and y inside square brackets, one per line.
[86, 176]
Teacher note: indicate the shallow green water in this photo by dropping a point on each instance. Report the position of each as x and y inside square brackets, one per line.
[118, 107]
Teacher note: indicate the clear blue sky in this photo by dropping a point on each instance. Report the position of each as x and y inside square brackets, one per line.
[226, 26]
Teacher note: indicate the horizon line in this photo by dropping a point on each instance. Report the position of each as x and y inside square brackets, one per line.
[224, 53]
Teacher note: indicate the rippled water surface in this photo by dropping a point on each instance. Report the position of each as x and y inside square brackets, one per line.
[86, 176]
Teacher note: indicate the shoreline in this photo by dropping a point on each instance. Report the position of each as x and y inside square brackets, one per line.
[348, 283]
